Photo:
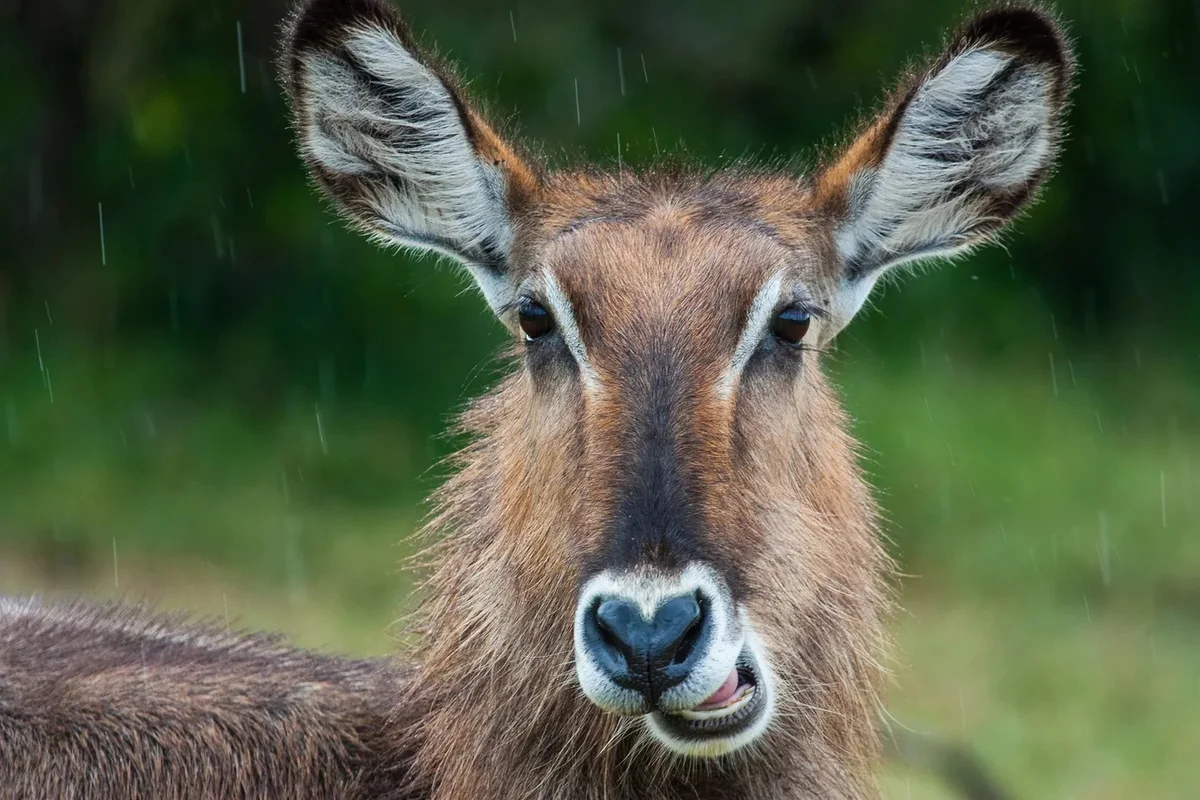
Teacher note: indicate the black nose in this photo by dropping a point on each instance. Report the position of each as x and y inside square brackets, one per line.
[647, 656]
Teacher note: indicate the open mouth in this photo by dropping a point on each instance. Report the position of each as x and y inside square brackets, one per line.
[728, 711]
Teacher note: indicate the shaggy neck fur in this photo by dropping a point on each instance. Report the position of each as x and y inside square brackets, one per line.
[494, 711]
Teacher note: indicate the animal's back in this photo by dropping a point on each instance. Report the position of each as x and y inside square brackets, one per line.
[118, 702]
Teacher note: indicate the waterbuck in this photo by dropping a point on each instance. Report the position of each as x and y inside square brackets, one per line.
[656, 572]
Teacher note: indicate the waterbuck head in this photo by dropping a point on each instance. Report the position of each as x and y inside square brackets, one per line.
[663, 498]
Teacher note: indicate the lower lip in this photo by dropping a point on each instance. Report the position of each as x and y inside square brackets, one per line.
[721, 721]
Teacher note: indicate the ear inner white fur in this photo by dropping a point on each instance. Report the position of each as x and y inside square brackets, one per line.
[387, 134]
[971, 144]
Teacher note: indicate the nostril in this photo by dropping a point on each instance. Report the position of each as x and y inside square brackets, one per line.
[691, 636]
[607, 638]
[619, 625]
[678, 625]
[687, 644]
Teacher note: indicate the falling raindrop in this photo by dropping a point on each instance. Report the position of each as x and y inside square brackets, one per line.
[654, 133]
[321, 430]
[1163, 197]
[645, 74]
[513, 22]
[578, 116]
[103, 253]
[241, 57]
[37, 341]
[621, 70]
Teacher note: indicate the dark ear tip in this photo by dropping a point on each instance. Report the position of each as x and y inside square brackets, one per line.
[1027, 31]
[320, 24]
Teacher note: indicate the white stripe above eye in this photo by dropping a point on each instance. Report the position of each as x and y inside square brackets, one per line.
[564, 318]
[761, 311]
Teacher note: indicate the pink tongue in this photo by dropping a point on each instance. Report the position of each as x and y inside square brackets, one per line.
[722, 695]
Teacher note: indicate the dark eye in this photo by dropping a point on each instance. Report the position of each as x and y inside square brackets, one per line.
[535, 320]
[790, 325]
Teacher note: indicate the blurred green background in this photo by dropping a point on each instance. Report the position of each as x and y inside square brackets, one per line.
[213, 395]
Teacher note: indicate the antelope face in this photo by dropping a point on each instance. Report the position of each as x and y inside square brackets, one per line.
[681, 323]
[709, 514]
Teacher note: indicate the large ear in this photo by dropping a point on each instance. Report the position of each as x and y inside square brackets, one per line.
[386, 133]
[960, 150]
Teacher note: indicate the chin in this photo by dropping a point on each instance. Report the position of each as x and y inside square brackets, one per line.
[716, 732]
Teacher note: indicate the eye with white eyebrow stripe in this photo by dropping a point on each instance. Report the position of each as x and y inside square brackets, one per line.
[760, 322]
[559, 305]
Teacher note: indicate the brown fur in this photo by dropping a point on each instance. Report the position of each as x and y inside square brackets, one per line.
[120, 702]
[661, 268]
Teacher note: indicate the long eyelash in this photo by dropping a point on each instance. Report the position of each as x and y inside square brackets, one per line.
[806, 305]
[810, 308]
[507, 308]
